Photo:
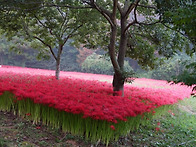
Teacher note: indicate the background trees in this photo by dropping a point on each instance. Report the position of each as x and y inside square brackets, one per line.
[48, 28]
[180, 15]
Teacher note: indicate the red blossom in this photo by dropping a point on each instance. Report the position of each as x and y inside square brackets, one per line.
[112, 127]
[28, 114]
[38, 127]
[82, 93]
[157, 129]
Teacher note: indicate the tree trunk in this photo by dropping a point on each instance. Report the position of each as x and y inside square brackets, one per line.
[58, 61]
[118, 78]
[118, 85]
[57, 68]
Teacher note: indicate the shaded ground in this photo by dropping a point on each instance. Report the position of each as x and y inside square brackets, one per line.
[16, 131]
[176, 128]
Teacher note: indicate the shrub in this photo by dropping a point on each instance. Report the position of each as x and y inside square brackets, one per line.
[100, 64]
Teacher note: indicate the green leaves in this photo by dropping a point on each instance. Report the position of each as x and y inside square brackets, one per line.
[180, 14]
[188, 76]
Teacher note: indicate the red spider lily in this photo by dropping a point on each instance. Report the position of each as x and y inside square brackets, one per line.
[82, 93]
[38, 128]
[171, 112]
[112, 127]
[28, 114]
[157, 129]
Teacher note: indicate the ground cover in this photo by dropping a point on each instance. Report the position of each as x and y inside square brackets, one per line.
[176, 127]
[83, 99]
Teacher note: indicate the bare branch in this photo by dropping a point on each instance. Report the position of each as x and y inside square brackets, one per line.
[142, 23]
[60, 12]
[107, 14]
[128, 26]
[46, 45]
[135, 14]
[119, 8]
[131, 7]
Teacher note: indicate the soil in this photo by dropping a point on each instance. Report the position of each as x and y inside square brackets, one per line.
[16, 131]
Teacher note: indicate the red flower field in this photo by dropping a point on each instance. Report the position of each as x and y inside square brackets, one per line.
[89, 94]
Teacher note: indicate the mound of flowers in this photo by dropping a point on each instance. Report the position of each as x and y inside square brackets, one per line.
[86, 97]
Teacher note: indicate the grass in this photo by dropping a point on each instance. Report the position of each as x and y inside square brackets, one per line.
[175, 128]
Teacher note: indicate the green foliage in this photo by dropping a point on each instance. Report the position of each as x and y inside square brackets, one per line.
[175, 128]
[171, 68]
[147, 40]
[148, 43]
[46, 25]
[188, 76]
[101, 64]
[24, 55]
[12, 53]
[181, 14]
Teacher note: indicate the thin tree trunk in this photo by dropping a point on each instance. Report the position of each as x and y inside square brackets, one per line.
[58, 61]
[57, 73]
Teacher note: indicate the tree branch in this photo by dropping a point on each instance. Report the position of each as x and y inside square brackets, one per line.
[50, 30]
[119, 8]
[130, 24]
[71, 34]
[142, 23]
[65, 21]
[175, 30]
[16, 6]
[149, 6]
[115, 5]
[131, 7]
[107, 14]
[153, 23]
[60, 12]
[46, 45]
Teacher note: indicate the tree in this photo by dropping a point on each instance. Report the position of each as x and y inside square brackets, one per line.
[136, 30]
[46, 27]
[181, 14]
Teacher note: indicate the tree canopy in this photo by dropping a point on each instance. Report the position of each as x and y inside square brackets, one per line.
[181, 15]
[47, 25]
[141, 29]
